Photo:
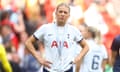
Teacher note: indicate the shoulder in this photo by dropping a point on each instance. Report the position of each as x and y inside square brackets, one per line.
[46, 26]
[117, 39]
[102, 47]
[72, 27]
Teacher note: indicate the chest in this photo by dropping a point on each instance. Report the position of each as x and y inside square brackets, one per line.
[59, 38]
[59, 35]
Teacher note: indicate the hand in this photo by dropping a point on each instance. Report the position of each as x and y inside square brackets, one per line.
[76, 60]
[45, 63]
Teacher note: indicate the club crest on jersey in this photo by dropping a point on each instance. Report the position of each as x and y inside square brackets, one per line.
[68, 36]
[55, 44]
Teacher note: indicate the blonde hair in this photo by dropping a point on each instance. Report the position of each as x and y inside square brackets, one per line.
[98, 38]
[96, 34]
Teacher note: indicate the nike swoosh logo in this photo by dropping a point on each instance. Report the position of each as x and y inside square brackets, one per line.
[50, 34]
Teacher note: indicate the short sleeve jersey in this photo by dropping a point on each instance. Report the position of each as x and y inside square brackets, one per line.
[93, 60]
[59, 44]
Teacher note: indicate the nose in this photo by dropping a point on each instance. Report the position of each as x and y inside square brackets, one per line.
[62, 13]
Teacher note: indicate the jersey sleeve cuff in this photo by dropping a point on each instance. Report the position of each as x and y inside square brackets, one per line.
[79, 40]
[35, 37]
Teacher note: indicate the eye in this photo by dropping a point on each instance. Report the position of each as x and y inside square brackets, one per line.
[60, 11]
[65, 12]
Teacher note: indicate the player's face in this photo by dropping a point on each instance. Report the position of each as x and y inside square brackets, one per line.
[84, 31]
[62, 14]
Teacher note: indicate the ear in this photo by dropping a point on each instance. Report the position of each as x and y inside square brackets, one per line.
[55, 14]
[68, 15]
[55, 11]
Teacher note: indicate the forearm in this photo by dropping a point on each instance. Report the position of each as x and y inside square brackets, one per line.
[80, 57]
[114, 54]
[77, 68]
[32, 50]
[112, 61]
[83, 52]
[104, 64]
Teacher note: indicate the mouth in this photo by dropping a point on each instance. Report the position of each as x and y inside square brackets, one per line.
[62, 18]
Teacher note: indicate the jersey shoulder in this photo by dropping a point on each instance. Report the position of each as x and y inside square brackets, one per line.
[45, 27]
[73, 28]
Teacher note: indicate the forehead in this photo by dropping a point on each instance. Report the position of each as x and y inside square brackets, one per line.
[63, 8]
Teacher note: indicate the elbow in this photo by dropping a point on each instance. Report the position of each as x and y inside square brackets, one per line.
[27, 42]
[87, 48]
[27, 45]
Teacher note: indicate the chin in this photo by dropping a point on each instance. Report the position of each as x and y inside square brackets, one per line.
[61, 21]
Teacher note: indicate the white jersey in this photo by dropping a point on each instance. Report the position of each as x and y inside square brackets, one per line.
[59, 43]
[93, 60]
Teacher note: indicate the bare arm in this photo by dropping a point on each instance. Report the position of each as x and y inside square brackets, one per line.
[20, 27]
[41, 49]
[83, 52]
[104, 62]
[31, 49]
[114, 54]
[77, 68]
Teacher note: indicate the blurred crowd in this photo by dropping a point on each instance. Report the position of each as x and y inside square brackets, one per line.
[20, 18]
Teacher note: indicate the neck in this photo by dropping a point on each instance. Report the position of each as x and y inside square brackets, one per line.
[60, 24]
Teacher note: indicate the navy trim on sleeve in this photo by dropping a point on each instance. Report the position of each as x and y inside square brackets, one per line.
[35, 37]
[80, 40]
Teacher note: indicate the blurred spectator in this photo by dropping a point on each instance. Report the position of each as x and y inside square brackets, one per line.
[15, 15]
[93, 17]
[48, 10]
[27, 62]
[32, 17]
[21, 48]
[76, 14]
[0, 5]
[14, 61]
[5, 19]
[30, 64]
[17, 19]
[9, 38]
[116, 6]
